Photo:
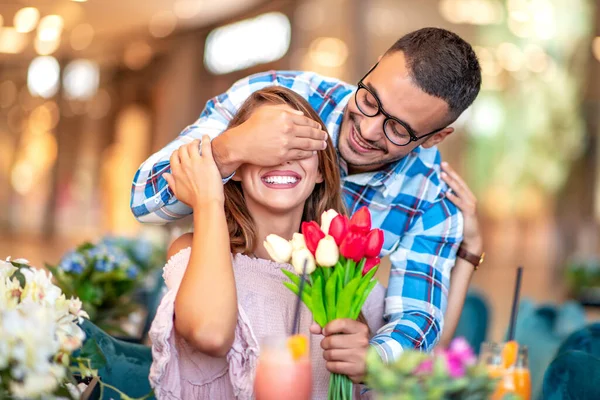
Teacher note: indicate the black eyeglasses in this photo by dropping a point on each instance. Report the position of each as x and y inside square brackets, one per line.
[397, 131]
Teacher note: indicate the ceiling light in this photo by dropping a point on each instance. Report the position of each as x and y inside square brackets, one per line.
[243, 44]
[11, 41]
[43, 76]
[26, 19]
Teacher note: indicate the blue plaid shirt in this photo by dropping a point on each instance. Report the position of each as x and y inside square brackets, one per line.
[407, 200]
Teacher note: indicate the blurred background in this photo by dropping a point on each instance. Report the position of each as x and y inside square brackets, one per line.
[89, 89]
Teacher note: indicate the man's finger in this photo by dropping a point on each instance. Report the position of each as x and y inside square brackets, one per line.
[310, 132]
[347, 341]
[306, 144]
[345, 355]
[302, 120]
[344, 325]
[342, 368]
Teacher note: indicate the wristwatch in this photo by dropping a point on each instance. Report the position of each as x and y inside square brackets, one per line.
[470, 257]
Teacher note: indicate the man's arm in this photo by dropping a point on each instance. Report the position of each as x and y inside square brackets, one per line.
[419, 278]
[272, 134]
[151, 199]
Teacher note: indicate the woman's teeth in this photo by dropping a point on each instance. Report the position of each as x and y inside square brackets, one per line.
[281, 180]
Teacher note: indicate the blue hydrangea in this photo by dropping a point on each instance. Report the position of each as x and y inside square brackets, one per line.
[73, 262]
[132, 271]
[103, 265]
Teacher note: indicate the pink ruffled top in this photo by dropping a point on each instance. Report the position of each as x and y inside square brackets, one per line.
[265, 308]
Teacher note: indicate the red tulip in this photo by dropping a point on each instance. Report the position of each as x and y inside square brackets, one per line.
[361, 221]
[353, 246]
[312, 234]
[374, 243]
[338, 228]
[371, 263]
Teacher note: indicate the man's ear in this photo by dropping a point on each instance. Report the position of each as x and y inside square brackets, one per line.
[438, 137]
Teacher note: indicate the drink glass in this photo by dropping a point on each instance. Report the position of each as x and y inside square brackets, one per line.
[279, 375]
[514, 379]
[521, 374]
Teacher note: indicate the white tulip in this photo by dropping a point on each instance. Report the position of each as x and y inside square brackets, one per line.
[298, 259]
[326, 219]
[298, 241]
[278, 248]
[327, 253]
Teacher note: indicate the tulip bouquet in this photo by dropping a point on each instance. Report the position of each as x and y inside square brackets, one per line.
[341, 257]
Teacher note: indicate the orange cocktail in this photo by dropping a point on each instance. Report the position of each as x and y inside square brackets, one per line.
[508, 362]
[284, 369]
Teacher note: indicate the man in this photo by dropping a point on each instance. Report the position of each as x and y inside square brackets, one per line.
[386, 130]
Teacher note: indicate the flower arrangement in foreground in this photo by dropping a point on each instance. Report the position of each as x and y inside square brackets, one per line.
[105, 275]
[341, 259]
[39, 331]
[443, 374]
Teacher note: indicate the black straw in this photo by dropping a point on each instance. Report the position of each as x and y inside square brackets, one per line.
[296, 325]
[515, 305]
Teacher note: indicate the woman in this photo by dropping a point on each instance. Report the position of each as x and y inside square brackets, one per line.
[224, 295]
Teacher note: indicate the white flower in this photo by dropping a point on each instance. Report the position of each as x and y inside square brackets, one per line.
[39, 286]
[326, 219]
[34, 386]
[327, 253]
[298, 241]
[278, 248]
[37, 324]
[6, 269]
[298, 259]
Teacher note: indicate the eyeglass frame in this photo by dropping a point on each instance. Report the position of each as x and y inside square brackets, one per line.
[388, 117]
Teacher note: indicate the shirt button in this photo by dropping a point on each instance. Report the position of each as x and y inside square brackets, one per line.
[156, 201]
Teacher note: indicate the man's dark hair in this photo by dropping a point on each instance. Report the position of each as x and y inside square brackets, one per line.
[442, 65]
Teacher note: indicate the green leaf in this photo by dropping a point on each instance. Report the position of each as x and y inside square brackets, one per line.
[360, 267]
[93, 352]
[326, 273]
[360, 301]
[344, 303]
[84, 247]
[318, 308]
[349, 264]
[305, 295]
[331, 296]
[296, 280]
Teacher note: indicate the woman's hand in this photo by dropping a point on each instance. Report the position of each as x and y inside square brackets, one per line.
[195, 179]
[465, 200]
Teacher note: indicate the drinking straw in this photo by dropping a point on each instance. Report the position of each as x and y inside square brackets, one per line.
[515, 305]
[296, 325]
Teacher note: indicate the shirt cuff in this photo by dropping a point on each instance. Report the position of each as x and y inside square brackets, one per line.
[225, 180]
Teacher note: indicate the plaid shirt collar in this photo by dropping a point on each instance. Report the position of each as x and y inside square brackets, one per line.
[382, 177]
